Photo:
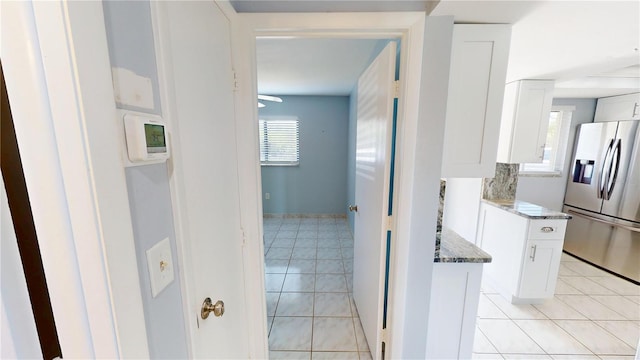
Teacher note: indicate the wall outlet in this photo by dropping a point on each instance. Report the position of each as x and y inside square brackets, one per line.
[267, 196]
[160, 264]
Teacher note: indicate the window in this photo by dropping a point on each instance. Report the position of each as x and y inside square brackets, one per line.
[555, 146]
[279, 142]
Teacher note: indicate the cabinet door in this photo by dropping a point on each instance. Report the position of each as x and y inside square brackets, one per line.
[455, 293]
[616, 108]
[540, 269]
[525, 120]
[476, 87]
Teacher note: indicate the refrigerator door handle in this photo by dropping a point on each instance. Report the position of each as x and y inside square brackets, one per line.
[613, 169]
[601, 179]
[630, 228]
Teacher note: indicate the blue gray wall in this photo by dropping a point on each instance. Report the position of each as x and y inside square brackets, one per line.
[317, 185]
[131, 46]
[150, 204]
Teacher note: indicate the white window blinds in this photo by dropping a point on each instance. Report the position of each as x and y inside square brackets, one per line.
[279, 142]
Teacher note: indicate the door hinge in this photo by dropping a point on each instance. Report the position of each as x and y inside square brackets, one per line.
[389, 223]
[383, 335]
[244, 236]
[396, 89]
[235, 80]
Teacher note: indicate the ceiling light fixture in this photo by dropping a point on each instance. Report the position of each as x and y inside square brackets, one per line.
[269, 98]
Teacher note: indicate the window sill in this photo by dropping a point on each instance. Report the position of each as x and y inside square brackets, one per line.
[276, 164]
[540, 174]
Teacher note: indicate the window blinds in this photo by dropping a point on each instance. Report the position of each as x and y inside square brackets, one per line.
[279, 142]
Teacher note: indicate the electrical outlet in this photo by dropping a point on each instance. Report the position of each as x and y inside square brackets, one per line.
[160, 264]
[267, 196]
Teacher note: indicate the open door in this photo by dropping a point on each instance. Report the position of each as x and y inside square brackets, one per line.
[196, 41]
[372, 189]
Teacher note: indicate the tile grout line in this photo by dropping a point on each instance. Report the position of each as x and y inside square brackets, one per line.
[554, 321]
[489, 340]
[609, 307]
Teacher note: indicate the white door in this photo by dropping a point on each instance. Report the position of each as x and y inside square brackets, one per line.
[205, 162]
[373, 169]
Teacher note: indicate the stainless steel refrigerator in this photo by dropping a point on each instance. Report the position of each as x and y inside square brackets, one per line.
[603, 196]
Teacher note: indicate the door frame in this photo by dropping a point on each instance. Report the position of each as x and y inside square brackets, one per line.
[422, 106]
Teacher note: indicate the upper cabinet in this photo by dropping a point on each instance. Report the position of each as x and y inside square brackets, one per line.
[478, 71]
[616, 108]
[525, 121]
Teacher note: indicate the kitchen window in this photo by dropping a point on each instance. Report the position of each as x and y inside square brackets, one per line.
[556, 144]
[279, 142]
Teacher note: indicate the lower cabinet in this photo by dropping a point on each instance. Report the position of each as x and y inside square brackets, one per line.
[526, 253]
[455, 293]
[540, 269]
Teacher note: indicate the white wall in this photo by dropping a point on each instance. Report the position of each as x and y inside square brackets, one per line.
[548, 191]
[462, 206]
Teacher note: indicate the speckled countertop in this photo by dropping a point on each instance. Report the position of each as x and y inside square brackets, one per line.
[455, 249]
[528, 210]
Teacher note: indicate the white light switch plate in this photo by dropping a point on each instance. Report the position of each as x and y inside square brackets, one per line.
[160, 265]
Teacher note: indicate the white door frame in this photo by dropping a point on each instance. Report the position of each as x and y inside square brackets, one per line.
[422, 106]
[58, 77]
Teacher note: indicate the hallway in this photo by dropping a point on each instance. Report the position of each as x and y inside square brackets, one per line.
[309, 272]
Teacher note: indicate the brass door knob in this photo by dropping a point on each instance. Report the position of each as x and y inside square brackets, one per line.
[353, 208]
[208, 307]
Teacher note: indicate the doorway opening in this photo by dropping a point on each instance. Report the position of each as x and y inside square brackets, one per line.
[308, 230]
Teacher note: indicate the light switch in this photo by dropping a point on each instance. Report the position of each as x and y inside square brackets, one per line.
[160, 263]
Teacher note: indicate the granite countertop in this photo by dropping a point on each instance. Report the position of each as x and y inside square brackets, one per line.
[455, 249]
[528, 210]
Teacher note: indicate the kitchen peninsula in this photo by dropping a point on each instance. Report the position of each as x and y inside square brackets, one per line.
[455, 293]
[526, 241]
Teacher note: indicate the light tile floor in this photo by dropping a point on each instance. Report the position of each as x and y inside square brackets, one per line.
[309, 272]
[311, 314]
[594, 315]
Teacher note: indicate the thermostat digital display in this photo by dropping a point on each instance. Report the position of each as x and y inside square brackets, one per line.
[146, 138]
[156, 141]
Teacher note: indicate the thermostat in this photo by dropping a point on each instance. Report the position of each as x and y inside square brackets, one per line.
[146, 138]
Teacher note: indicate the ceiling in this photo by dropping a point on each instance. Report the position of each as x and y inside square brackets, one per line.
[312, 66]
[589, 47]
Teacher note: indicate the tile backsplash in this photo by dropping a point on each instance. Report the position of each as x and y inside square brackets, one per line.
[503, 185]
[443, 186]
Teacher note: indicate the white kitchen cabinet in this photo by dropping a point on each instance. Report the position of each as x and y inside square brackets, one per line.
[477, 76]
[616, 108]
[455, 294]
[539, 270]
[525, 120]
[526, 253]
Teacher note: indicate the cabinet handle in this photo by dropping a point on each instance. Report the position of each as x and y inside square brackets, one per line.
[533, 252]
[542, 151]
[547, 229]
[635, 108]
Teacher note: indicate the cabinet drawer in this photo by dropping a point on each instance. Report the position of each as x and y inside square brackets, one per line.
[547, 229]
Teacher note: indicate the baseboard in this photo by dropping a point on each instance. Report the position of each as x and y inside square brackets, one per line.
[304, 216]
